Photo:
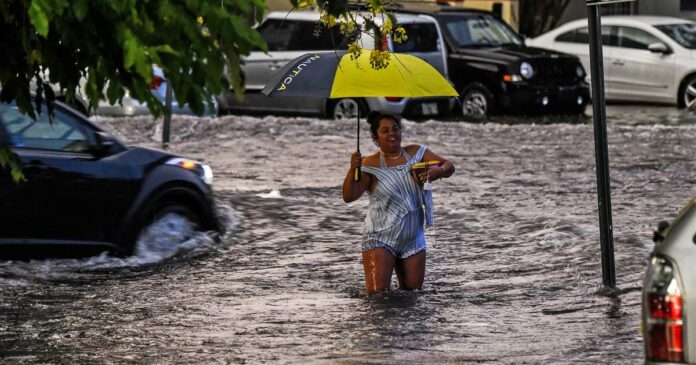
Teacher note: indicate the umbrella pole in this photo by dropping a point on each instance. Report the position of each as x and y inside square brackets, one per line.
[357, 170]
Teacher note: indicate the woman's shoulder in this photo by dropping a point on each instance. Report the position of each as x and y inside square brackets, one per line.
[371, 160]
[412, 149]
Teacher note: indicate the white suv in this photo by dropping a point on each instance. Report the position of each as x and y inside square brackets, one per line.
[290, 35]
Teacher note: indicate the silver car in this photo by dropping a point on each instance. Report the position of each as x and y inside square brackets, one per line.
[646, 58]
[290, 35]
[669, 293]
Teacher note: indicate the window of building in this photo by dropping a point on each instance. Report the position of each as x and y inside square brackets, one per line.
[688, 5]
[626, 8]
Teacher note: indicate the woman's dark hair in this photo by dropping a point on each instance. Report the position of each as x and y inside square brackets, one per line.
[375, 117]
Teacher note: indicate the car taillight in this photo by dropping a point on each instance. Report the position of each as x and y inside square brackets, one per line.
[393, 98]
[156, 82]
[664, 313]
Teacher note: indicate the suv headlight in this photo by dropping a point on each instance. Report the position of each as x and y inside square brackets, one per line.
[580, 71]
[526, 70]
[203, 170]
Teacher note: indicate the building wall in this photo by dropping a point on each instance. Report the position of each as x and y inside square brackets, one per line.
[510, 8]
[676, 8]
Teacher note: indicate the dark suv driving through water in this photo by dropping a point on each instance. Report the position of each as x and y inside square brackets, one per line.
[493, 70]
[84, 192]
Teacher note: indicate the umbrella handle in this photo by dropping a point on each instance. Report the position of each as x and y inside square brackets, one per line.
[358, 169]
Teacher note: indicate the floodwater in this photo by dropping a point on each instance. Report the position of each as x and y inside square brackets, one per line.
[513, 261]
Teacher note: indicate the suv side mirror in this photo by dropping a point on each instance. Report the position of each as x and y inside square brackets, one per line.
[659, 47]
[102, 142]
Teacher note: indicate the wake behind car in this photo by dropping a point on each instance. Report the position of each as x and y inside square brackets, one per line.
[494, 71]
[85, 192]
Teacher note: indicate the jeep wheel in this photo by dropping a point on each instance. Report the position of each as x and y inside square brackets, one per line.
[347, 109]
[475, 105]
[687, 94]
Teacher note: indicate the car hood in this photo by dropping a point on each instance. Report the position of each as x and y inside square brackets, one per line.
[512, 54]
[142, 156]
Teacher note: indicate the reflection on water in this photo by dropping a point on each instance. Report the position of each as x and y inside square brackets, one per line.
[513, 261]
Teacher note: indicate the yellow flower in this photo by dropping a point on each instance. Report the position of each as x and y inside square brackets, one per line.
[379, 59]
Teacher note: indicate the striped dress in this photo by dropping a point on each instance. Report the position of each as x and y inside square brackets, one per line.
[395, 219]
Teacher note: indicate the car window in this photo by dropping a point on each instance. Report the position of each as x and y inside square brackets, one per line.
[582, 35]
[635, 38]
[63, 133]
[684, 34]
[420, 38]
[480, 31]
[313, 36]
[293, 35]
[277, 33]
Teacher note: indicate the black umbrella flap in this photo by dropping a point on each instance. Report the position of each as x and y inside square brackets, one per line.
[310, 75]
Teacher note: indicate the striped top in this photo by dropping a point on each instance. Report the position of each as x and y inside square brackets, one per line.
[395, 196]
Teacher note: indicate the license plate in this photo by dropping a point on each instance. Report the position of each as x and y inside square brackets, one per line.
[429, 108]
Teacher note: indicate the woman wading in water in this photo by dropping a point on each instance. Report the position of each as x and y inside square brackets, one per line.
[394, 234]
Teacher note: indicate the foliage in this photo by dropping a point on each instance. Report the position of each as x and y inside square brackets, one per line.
[11, 161]
[539, 16]
[109, 46]
[104, 49]
[375, 20]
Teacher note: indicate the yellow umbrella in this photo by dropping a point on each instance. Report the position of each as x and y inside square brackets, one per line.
[336, 75]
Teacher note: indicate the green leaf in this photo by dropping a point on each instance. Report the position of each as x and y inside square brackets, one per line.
[38, 18]
[130, 50]
[11, 160]
[234, 73]
[79, 9]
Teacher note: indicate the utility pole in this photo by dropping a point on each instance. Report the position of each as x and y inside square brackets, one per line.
[167, 124]
[599, 118]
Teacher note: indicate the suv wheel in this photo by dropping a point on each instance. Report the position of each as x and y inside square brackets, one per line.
[475, 104]
[687, 94]
[347, 109]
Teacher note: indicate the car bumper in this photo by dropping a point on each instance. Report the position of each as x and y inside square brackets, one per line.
[412, 107]
[544, 98]
[428, 107]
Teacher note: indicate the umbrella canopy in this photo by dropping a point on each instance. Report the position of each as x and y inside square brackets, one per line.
[335, 75]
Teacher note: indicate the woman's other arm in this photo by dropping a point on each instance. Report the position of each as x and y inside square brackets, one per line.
[446, 168]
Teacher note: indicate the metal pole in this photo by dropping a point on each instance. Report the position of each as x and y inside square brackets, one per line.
[358, 170]
[167, 124]
[601, 150]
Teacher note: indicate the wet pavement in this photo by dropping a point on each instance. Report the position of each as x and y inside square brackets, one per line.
[513, 261]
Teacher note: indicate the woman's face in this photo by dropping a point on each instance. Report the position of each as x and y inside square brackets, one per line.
[389, 134]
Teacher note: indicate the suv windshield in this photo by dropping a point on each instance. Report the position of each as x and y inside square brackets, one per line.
[480, 30]
[684, 34]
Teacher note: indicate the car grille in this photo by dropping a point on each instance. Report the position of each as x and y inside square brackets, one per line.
[555, 71]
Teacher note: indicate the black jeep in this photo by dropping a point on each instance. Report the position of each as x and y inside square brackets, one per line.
[494, 71]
